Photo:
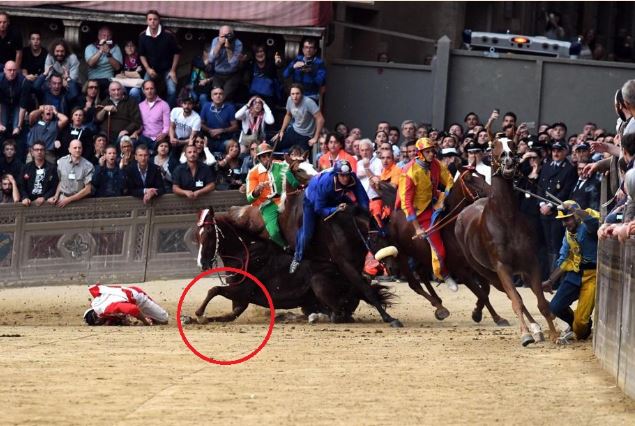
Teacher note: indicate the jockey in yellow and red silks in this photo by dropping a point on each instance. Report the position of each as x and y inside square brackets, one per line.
[419, 197]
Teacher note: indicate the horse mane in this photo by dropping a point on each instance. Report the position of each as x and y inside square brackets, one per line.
[387, 193]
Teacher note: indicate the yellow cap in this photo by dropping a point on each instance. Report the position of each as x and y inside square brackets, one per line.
[424, 143]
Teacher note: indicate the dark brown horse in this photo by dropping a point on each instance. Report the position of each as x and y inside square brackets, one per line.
[469, 187]
[316, 287]
[496, 241]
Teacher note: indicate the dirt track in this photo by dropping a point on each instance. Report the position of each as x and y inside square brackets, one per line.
[60, 372]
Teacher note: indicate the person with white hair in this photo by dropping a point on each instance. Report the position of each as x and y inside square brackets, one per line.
[628, 96]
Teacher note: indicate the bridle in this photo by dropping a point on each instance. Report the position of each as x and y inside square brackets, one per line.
[468, 196]
[244, 264]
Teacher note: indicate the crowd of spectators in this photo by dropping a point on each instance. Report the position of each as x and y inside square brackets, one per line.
[129, 129]
[125, 125]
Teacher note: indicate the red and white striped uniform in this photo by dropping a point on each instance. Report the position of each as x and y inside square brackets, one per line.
[116, 301]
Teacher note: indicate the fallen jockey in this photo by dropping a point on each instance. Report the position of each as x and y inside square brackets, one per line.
[114, 305]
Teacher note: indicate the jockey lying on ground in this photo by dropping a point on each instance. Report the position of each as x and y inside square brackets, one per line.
[113, 304]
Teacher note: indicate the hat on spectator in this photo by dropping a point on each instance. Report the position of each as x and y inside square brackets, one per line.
[581, 147]
[263, 148]
[424, 143]
[558, 145]
[342, 167]
[449, 152]
[474, 147]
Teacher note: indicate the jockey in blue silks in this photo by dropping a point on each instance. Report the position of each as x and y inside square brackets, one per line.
[327, 193]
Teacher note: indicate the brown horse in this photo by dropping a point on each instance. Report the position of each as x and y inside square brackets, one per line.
[316, 287]
[496, 241]
[469, 187]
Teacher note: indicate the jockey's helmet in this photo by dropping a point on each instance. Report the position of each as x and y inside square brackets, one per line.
[424, 143]
[342, 167]
[263, 148]
[567, 209]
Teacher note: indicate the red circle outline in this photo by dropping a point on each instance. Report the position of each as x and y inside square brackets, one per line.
[271, 318]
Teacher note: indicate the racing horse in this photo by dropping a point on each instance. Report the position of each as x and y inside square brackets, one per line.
[469, 187]
[315, 287]
[497, 242]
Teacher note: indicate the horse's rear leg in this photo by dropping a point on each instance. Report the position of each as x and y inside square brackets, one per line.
[517, 304]
[441, 312]
[361, 287]
[483, 301]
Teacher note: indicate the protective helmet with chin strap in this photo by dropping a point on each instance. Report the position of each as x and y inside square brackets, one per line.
[342, 167]
[423, 144]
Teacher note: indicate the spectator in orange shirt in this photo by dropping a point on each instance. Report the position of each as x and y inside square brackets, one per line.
[335, 144]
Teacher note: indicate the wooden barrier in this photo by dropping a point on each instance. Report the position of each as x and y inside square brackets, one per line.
[614, 335]
[111, 240]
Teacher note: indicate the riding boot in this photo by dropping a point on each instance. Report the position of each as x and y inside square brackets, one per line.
[452, 285]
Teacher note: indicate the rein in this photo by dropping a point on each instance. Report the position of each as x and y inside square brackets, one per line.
[452, 216]
[244, 264]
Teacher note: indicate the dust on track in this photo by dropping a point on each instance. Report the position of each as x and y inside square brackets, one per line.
[57, 371]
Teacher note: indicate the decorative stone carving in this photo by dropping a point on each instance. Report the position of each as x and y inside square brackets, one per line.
[71, 31]
[78, 245]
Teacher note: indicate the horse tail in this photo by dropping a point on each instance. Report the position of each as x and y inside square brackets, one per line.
[384, 294]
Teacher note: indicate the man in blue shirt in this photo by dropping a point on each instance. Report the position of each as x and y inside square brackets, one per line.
[326, 194]
[577, 267]
[308, 70]
[225, 54]
[218, 119]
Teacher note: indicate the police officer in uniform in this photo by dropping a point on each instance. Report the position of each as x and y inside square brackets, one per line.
[558, 177]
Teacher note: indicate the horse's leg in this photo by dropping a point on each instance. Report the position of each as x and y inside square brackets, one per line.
[211, 293]
[233, 293]
[543, 305]
[500, 321]
[505, 276]
[237, 309]
[441, 313]
[362, 288]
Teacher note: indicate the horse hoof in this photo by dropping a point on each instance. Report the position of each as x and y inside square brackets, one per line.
[539, 337]
[441, 313]
[202, 319]
[527, 339]
[503, 323]
[396, 323]
[477, 316]
[185, 319]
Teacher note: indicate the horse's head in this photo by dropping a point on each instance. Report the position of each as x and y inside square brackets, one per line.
[469, 187]
[300, 168]
[207, 237]
[503, 159]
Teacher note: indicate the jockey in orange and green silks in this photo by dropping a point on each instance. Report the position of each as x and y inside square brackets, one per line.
[419, 197]
[265, 185]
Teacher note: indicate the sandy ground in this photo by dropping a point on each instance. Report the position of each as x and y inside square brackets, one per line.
[54, 370]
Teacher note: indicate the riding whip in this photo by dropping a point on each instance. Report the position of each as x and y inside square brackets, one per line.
[534, 195]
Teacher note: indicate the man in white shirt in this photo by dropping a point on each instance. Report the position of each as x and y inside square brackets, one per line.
[475, 159]
[185, 124]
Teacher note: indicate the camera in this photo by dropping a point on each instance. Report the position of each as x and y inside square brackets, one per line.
[108, 42]
[230, 37]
